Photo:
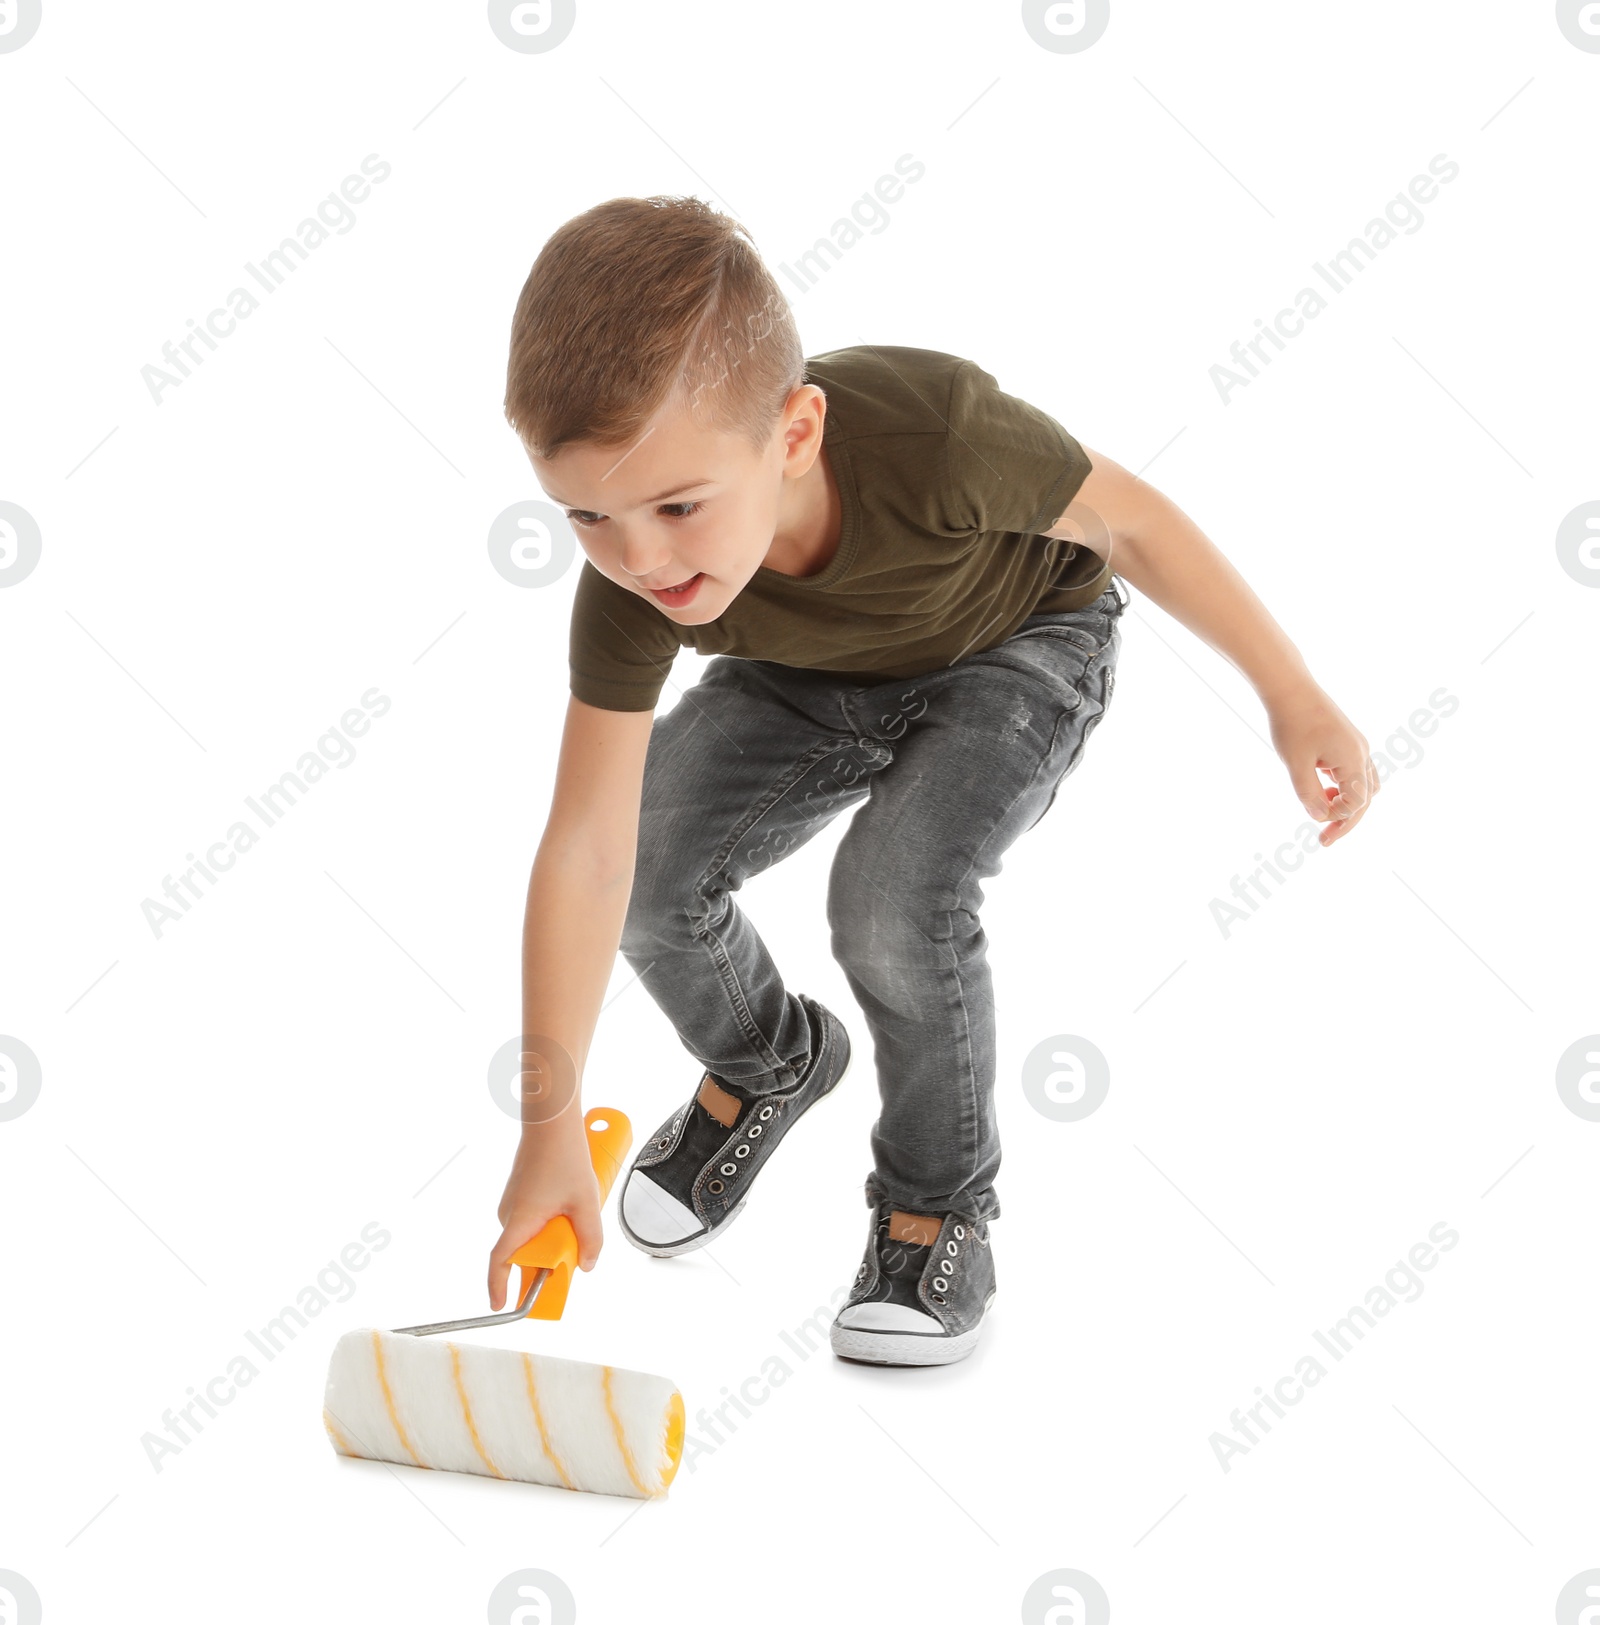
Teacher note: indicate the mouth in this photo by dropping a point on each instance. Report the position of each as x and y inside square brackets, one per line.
[675, 597]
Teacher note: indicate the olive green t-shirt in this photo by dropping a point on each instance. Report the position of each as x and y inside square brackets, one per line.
[945, 483]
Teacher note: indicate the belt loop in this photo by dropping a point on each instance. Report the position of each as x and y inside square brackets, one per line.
[1124, 597]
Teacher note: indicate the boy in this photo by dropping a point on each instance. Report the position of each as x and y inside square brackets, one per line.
[877, 545]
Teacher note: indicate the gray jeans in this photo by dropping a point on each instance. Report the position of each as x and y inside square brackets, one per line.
[949, 768]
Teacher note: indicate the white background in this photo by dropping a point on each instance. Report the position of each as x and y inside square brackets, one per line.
[1293, 1105]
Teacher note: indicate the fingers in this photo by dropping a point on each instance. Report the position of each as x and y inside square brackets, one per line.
[586, 1226]
[1311, 791]
[499, 1269]
[585, 1221]
[1353, 792]
[500, 1262]
[1352, 800]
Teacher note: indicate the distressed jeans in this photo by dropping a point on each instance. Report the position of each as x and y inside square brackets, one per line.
[948, 769]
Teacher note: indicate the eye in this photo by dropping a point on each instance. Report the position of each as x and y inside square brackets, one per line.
[587, 521]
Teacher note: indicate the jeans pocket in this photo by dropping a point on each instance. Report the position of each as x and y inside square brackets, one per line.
[1072, 730]
[1079, 635]
[1086, 629]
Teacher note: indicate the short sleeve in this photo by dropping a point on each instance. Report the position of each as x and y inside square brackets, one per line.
[1012, 466]
[619, 649]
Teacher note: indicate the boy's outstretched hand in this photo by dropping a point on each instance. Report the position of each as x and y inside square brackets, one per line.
[1309, 732]
[552, 1174]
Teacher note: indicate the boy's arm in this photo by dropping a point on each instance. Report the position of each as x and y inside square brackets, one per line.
[1152, 543]
[577, 902]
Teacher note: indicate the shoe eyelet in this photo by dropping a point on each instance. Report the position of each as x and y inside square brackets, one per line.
[938, 1287]
[741, 1151]
[728, 1168]
[755, 1131]
[951, 1248]
[946, 1267]
[961, 1232]
[715, 1187]
[766, 1112]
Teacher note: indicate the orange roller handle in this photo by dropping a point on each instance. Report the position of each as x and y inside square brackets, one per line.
[555, 1248]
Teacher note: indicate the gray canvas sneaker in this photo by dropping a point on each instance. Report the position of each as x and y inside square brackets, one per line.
[694, 1174]
[922, 1291]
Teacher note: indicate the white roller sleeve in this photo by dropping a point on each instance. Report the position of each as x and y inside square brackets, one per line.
[428, 1402]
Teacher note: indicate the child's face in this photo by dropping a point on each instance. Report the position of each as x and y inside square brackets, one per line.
[687, 507]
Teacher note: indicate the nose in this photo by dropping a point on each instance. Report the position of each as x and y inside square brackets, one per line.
[640, 556]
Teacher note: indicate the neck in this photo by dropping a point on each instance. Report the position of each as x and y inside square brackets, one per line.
[808, 537]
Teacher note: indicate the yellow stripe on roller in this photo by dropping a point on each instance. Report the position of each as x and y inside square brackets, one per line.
[616, 1427]
[388, 1400]
[338, 1438]
[672, 1445]
[466, 1411]
[544, 1432]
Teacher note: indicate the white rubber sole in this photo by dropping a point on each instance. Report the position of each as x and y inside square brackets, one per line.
[699, 1239]
[906, 1348]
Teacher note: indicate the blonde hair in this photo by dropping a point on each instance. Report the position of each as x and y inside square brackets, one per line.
[640, 299]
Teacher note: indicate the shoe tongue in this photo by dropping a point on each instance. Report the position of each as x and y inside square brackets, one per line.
[721, 1103]
[902, 1256]
[920, 1228]
[903, 1251]
[901, 1264]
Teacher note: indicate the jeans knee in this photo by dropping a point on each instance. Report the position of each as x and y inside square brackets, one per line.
[668, 907]
[659, 909]
[878, 923]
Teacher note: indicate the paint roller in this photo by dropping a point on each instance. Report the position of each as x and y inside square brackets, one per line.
[413, 1397]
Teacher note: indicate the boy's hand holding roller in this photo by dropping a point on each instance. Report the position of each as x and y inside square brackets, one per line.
[551, 1173]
